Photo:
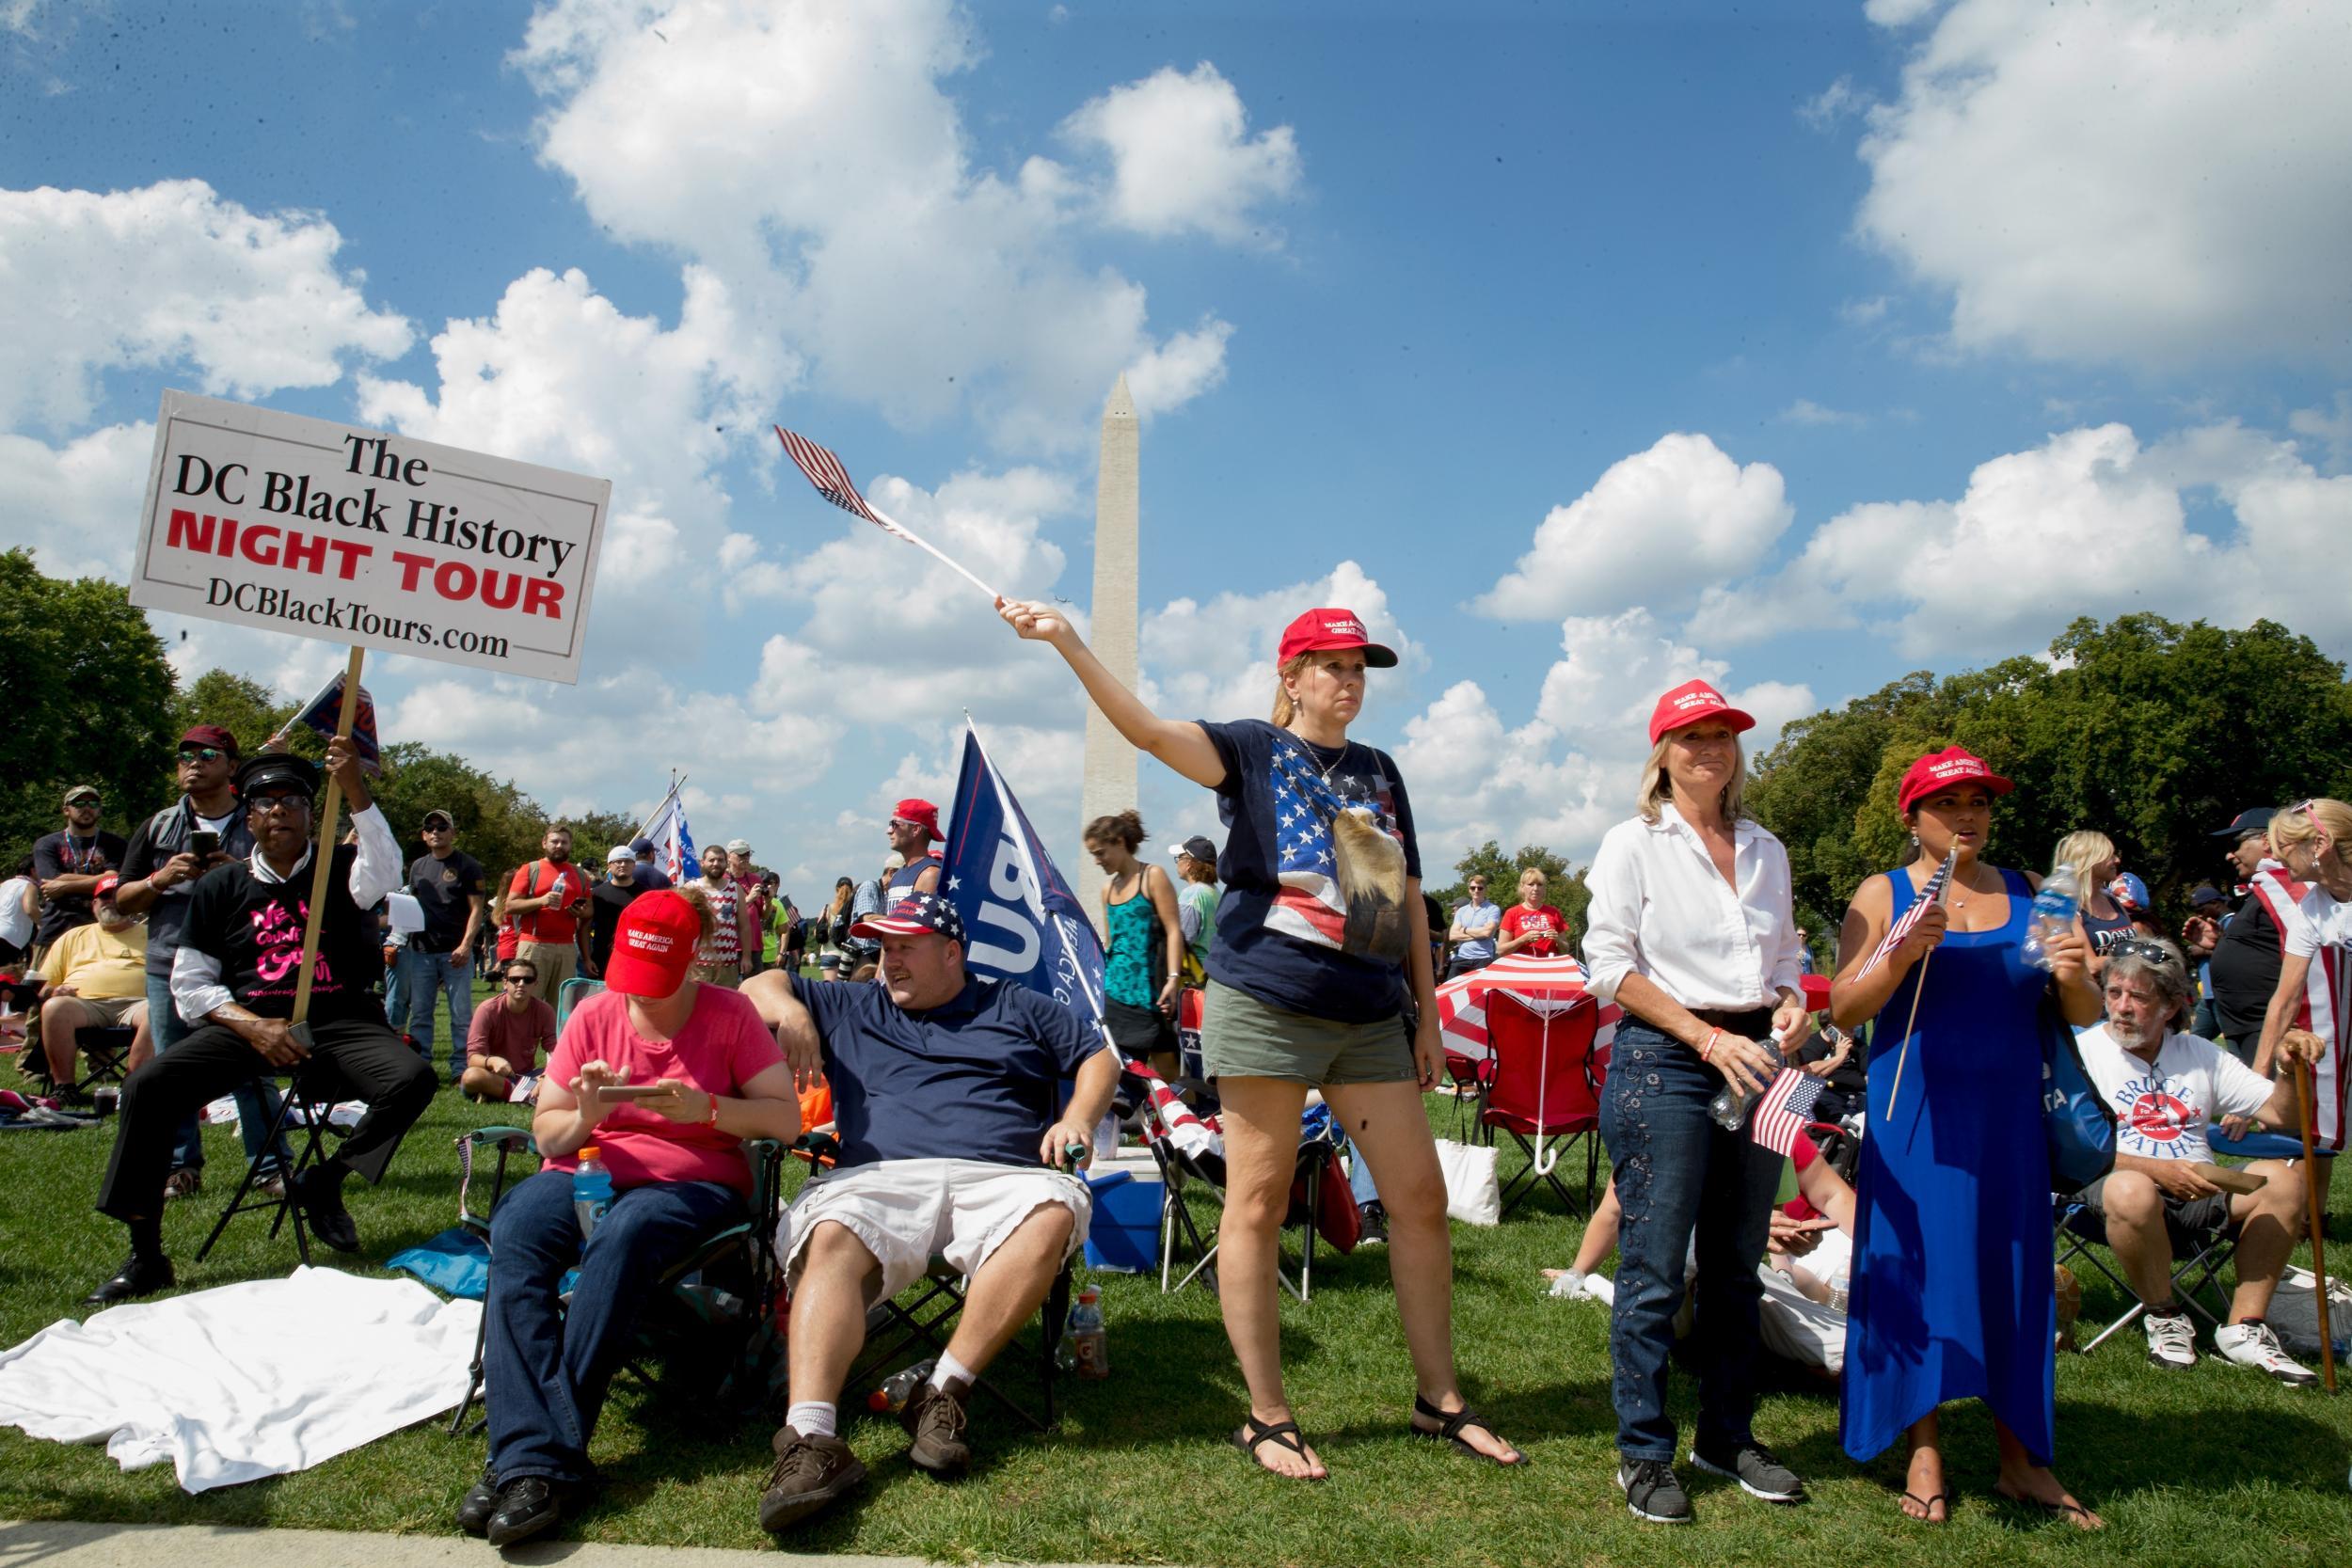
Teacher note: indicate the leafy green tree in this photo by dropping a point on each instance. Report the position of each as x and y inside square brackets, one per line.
[1567, 890]
[89, 701]
[2152, 732]
[238, 704]
[596, 831]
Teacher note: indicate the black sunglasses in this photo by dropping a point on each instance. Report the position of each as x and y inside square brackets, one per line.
[201, 754]
[519, 979]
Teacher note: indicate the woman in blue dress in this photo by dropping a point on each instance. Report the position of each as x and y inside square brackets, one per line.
[1953, 1266]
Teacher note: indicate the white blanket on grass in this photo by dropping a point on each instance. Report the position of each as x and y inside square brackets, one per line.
[245, 1381]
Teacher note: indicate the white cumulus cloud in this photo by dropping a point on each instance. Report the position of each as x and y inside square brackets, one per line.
[1652, 529]
[171, 274]
[1182, 156]
[2116, 181]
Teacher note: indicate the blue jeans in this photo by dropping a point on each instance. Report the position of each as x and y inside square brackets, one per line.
[257, 1103]
[1679, 1173]
[546, 1368]
[427, 977]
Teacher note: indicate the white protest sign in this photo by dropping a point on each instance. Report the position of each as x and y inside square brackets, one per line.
[355, 536]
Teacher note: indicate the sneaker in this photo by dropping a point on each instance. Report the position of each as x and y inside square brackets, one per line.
[809, 1473]
[2253, 1344]
[1373, 1222]
[186, 1181]
[527, 1506]
[1652, 1493]
[935, 1419]
[1759, 1472]
[2171, 1339]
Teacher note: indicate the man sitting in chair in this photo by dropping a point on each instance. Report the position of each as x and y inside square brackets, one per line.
[234, 976]
[2165, 1089]
[943, 1091]
[666, 1077]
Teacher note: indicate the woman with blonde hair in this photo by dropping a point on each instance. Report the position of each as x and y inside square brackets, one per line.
[2313, 841]
[1692, 931]
[2091, 856]
[1320, 943]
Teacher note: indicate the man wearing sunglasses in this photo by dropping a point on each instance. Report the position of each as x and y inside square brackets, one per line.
[434, 962]
[166, 856]
[67, 863]
[914, 834]
[238, 969]
[509, 1035]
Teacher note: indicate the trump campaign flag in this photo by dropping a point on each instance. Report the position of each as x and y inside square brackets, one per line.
[1024, 923]
[673, 842]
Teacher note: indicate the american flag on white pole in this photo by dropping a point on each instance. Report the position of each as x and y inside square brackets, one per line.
[833, 482]
[1785, 1111]
[1930, 896]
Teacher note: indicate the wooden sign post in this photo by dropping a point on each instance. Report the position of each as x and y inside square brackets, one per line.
[323, 857]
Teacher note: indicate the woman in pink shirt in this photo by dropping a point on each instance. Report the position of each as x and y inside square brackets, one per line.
[665, 1077]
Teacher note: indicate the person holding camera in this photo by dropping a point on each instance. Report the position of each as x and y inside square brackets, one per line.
[168, 853]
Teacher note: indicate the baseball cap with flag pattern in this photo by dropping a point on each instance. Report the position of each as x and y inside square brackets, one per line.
[916, 915]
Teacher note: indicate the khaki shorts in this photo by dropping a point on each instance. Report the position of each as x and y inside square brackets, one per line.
[1243, 1037]
[557, 961]
[716, 975]
[907, 1210]
[99, 1012]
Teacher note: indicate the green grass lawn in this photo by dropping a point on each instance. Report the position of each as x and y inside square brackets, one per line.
[2211, 1466]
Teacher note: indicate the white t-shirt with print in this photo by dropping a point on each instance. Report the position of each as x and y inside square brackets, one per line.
[2162, 1110]
[2324, 922]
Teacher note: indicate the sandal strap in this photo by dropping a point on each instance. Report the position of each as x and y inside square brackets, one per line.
[1283, 1435]
[1450, 1423]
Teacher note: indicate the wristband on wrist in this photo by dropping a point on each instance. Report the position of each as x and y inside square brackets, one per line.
[1706, 1046]
[712, 1119]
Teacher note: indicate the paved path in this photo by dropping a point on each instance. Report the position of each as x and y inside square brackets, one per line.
[59, 1545]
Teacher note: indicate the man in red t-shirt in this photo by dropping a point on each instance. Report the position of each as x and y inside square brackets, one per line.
[546, 902]
[507, 1036]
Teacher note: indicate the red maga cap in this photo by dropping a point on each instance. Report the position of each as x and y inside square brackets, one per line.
[1327, 628]
[1690, 703]
[921, 812]
[106, 885]
[654, 947]
[1940, 770]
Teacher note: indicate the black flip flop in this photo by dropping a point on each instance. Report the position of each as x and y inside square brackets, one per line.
[1927, 1507]
[1450, 1430]
[1283, 1435]
[2068, 1511]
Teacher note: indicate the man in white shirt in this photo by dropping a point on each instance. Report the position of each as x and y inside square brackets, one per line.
[2166, 1089]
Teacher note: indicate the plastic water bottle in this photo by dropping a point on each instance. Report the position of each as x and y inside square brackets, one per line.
[592, 1191]
[1106, 1140]
[2054, 910]
[898, 1387]
[1732, 1104]
[1089, 1350]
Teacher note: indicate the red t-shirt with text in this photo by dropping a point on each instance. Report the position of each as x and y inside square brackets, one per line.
[1518, 918]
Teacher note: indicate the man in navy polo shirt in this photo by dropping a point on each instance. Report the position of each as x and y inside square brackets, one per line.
[944, 1091]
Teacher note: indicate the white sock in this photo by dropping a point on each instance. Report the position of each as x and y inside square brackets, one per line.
[951, 1370]
[812, 1417]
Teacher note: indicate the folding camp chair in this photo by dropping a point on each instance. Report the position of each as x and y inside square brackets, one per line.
[105, 1053]
[2199, 1260]
[295, 1107]
[1182, 1244]
[1543, 1082]
[725, 1286]
[570, 994]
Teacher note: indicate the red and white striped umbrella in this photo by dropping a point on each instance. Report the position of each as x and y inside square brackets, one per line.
[1546, 986]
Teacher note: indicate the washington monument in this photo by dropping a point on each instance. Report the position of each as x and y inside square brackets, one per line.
[1110, 773]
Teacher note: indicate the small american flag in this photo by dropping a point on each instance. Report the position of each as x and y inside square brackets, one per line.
[833, 482]
[1785, 1110]
[321, 715]
[1929, 895]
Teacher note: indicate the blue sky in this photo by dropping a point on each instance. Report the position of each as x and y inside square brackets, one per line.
[1583, 348]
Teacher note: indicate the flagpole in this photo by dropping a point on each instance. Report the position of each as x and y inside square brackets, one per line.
[2315, 1185]
[1918, 990]
[936, 554]
[678, 781]
[323, 856]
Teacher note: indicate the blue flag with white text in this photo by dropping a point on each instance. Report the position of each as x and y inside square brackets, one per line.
[1021, 921]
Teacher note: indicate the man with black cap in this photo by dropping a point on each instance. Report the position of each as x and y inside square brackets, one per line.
[2245, 958]
[944, 1094]
[447, 883]
[168, 853]
[67, 863]
[236, 970]
[649, 876]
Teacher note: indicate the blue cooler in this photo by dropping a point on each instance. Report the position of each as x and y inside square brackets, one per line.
[1125, 1237]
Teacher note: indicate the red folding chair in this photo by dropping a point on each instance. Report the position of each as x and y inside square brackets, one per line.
[1544, 1081]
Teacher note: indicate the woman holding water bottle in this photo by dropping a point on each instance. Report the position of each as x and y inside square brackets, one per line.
[1691, 931]
[1953, 1269]
[662, 1078]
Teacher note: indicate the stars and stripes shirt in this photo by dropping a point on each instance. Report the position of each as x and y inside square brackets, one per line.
[1282, 926]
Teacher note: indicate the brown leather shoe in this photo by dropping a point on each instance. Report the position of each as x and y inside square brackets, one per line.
[809, 1473]
[935, 1419]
